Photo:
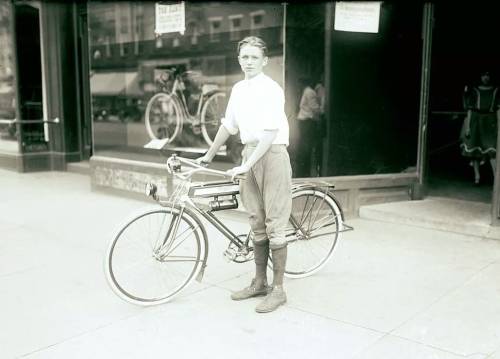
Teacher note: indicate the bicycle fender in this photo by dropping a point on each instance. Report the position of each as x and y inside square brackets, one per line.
[327, 190]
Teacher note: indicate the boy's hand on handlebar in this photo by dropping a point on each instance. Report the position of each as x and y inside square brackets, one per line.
[203, 160]
[239, 170]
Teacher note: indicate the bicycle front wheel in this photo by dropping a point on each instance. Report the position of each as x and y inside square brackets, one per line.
[163, 117]
[312, 232]
[211, 116]
[155, 255]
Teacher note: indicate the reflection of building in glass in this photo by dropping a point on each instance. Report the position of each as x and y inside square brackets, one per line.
[125, 32]
[6, 64]
[8, 130]
[123, 41]
[235, 26]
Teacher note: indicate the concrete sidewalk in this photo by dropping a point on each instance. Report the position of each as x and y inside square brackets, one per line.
[446, 214]
[391, 290]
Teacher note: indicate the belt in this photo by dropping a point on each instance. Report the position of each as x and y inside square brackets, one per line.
[254, 144]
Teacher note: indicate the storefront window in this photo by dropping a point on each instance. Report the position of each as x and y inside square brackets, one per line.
[172, 86]
[305, 72]
[29, 78]
[8, 130]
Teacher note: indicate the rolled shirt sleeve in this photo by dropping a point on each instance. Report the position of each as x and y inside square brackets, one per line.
[229, 121]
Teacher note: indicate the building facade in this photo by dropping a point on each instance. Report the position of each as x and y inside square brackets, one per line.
[86, 88]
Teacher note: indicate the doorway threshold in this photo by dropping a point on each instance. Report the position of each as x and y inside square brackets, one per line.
[82, 167]
[439, 213]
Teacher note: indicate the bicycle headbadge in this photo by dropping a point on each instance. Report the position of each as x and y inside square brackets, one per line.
[173, 164]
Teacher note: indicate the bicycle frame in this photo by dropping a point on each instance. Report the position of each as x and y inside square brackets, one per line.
[186, 200]
[216, 222]
[176, 240]
[177, 92]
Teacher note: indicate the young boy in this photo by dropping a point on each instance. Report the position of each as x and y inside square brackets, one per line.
[256, 110]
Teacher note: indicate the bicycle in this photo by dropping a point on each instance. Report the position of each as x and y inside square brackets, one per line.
[161, 250]
[167, 111]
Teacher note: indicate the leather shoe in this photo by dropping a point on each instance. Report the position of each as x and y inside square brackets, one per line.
[251, 291]
[272, 301]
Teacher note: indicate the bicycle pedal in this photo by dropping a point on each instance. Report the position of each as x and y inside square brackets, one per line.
[196, 130]
[229, 255]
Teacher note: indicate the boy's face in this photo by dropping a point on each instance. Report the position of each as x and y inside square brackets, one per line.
[485, 78]
[252, 60]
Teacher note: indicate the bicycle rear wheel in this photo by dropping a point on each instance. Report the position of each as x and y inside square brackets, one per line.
[211, 115]
[163, 117]
[312, 232]
[155, 255]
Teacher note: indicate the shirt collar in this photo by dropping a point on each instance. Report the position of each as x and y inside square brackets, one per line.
[256, 79]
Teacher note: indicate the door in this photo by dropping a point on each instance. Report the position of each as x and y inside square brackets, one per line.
[34, 133]
[85, 112]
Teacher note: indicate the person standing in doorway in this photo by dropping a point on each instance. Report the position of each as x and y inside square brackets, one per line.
[256, 110]
[308, 119]
[479, 131]
[321, 125]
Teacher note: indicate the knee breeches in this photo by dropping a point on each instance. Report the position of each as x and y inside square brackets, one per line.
[266, 194]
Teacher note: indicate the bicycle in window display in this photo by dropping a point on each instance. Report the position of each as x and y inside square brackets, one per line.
[160, 250]
[168, 111]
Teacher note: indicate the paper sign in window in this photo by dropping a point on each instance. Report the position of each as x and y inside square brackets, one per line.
[357, 16]
[170, 18]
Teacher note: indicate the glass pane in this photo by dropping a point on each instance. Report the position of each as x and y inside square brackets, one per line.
[305, 90]
[375, 95]
[174, 86]
[29, 80]
[8, 131]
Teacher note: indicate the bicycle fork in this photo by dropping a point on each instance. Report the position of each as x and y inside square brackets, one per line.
[163, 244]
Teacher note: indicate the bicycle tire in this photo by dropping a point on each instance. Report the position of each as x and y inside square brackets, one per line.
[312, 232]
[139, 275]
[211, 117]
[163, 117]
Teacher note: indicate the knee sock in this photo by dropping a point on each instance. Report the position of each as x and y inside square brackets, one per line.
[279, 264]
[261, 255]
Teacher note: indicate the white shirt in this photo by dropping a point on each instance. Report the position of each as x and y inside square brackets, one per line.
[321, 92]
[309, 105]
[254, 106]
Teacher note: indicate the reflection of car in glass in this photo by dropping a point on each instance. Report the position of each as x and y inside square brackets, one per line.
[8, 129]
[112, 108]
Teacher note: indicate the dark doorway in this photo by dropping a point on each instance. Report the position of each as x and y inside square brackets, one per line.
[305, 63]
[374, 94]
[82, 64]
[29, 74]
[464, 43]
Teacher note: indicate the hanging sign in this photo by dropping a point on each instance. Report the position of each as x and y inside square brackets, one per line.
[170, 17]
[357, 16]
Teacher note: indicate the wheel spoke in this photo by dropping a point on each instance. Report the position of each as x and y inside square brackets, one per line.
[140, 274]
[180, 259]
[162, 117]
[211, 115]
[170, 249]
[312, 232]
[310, 210]
[324, 222]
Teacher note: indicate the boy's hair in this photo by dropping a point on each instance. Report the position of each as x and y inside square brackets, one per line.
[253, 41]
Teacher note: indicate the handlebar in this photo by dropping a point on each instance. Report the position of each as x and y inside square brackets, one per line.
[174, 166]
